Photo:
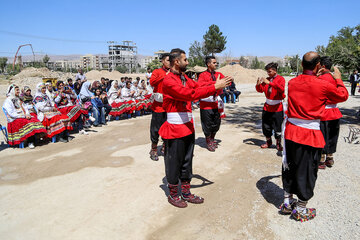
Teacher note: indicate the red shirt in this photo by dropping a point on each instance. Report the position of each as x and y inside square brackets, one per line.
[274, 91]
[205, 79]
[156, 81]
[307, 96]
[177, 98]
[331, 113]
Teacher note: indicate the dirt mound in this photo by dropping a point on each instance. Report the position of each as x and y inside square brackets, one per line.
[241, 74]
[31, 76]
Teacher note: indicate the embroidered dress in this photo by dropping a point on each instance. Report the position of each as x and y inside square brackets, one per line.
[54, 121]
[19, 127]
[65, 106]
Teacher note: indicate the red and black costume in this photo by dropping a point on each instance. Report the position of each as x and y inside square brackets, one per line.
[209, 112]
[330, 120]
[272, 115]
[159, 114]
[307, 96]
[178, 130]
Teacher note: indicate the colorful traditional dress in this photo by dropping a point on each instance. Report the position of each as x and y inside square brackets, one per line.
[19, 127]
[54, 121]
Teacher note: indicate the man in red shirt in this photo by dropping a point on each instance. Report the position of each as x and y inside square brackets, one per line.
[178, 130]
[307, 96]
[209, 112]
[159, 114]
[330, 120]
[272, 116]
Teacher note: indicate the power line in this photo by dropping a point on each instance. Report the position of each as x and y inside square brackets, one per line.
[49, 38]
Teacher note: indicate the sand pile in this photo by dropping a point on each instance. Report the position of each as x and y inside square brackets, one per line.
[241, 74]
[32, 76]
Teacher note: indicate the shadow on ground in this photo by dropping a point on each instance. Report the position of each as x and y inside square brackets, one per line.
[271, 192]
[244, 117]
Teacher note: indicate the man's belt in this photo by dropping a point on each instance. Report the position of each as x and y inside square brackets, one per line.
[158, 97]
[209, 99]
[330, 106]
[313, 124]
[179, 117]
[272, 102]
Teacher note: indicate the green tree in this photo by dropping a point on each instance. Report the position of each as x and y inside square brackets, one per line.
[154, 64]
[46, 59]
[214, 40]
[3, 61]
[121, 68]
[244, 62]
[295, 63]
[344, 48]
[197, 54]
[256, 64]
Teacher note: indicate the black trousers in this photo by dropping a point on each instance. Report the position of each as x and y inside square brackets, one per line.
[178, 158]
[353, 87]
[157, 120]
[272, 121]
[303, 164]
[210, 121]
[107, 109]
[330, 130]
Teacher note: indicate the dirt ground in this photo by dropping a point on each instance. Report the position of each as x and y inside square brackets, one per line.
[104, 186]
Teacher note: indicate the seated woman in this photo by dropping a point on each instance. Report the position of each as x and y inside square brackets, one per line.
[98, 109]
[21, 125]
[77, 86]
[117, 103]
[104, 99]
[95, 85]
[127, 94]
[27, 99]
[64, 100]
[54, 121]
[50, 92]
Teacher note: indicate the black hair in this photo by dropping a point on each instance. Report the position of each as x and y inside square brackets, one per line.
[58, 83]
[138, 78]
[122, 78]
[271, 65]
[102, 78]
[311, 64]
[69, 79]
[208, 59]
[174, 54]
[164, 55]
[326, 61]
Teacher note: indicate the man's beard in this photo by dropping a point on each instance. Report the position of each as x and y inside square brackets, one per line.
[183, 68]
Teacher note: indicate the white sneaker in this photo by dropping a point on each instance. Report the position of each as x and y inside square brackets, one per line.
[31, 145]
[92, 118]
[84, 132]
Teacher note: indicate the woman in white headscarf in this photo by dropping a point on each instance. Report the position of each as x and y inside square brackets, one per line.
[21, 125]
[54, 121]
[117, 103]
[64, 99]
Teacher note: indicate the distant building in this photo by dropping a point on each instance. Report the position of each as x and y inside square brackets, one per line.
[65, 65]
[145, 61]
[90, 61]
[123, 55]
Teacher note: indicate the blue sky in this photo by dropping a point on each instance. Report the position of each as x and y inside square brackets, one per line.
[262, 28]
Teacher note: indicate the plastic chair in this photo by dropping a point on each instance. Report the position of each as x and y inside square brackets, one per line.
[3, 130]
[21, 145]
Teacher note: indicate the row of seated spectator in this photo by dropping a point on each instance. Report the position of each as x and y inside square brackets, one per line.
[52, 112]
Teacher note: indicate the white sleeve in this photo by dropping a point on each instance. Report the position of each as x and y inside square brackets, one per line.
[11, 110]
